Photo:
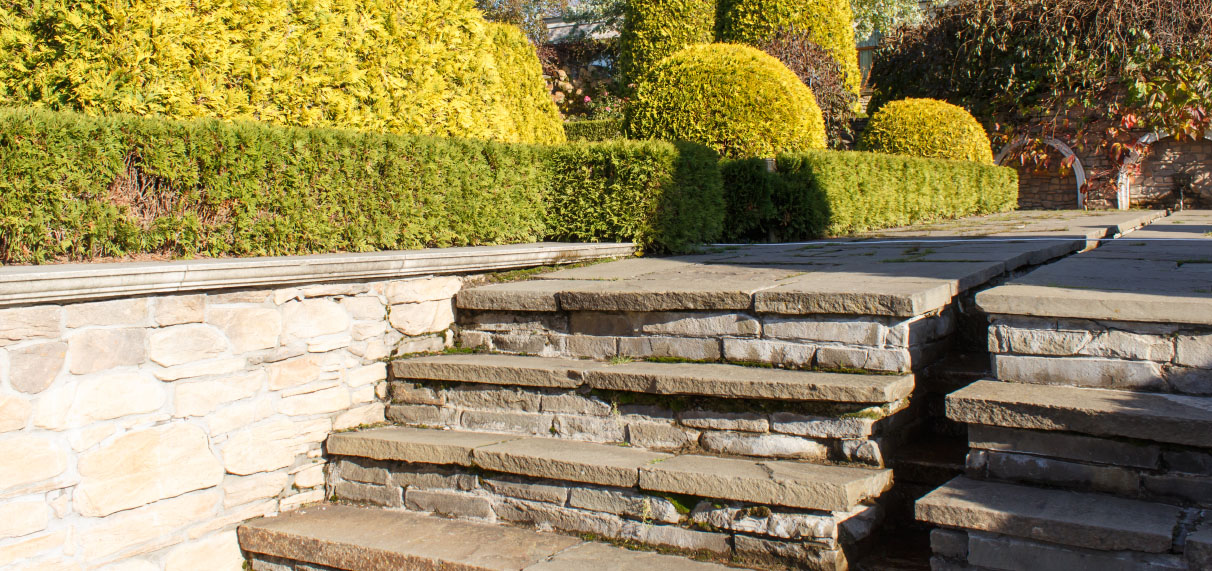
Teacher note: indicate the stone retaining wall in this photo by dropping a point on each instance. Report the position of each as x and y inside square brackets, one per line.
[139, 431]
[715, 529]
[1151, 357]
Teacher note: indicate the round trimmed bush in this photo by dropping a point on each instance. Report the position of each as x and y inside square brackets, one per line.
[533, 116]
[655, 29]
[927, 128]
[735, 99]
[829, 23]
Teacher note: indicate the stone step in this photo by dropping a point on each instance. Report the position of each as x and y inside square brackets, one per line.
[658, 378]
[1092, 521]
[368, 539]
[778, 483]
[1165, 418]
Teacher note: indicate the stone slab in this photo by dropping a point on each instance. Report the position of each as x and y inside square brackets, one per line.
[379, 540]
[60, 282]
[790, 484]
[733, 381]
[1093, 521]
[605, 464]
[413, 444]
[602, 557]
[510, 370]
[1174, 419]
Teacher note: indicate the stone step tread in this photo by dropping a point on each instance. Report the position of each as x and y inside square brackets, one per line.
[781, 483]
[701, 379]
[370, 539]
[1174, 419]
[1078, 519]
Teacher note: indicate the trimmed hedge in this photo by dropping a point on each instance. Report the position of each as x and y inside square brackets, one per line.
[424, 67]
[927, 128]
[733, 98]
[596, 130]
[834, 193]
[78, 187]
[829, 23]
[656, 29]
[532, 114]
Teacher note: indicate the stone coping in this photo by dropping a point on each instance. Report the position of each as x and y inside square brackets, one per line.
[21, 285]
[781, 483]
[1077, 519]
[370, 539]
[1173, 419]
[699, 379]
[1159, 274]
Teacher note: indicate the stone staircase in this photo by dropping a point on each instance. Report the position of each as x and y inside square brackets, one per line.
[1092, 448]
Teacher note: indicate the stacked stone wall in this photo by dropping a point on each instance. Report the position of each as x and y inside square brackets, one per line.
[1155, 186]
[141, 431]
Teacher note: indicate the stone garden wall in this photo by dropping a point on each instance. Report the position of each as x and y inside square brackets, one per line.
[139, 431]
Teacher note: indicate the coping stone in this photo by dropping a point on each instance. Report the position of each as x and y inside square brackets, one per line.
[1077, 519]
[734, 381]
[413, 444]
[1175, 419]
[571, 460]
[790, 484]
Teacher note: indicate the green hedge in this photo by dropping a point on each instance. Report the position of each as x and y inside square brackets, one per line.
[79, 187]
[655, 29]
[596, 130]
[834, 193]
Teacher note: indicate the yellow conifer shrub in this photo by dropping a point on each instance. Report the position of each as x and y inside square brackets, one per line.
[533, 115]
[927, 128]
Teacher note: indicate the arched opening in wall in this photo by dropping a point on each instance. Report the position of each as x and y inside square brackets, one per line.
[1054, 183]
[1170, 171]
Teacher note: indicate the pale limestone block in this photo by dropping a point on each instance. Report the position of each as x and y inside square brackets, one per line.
[144, 466]
[246, 296]
[624, 503]
[248, 328]
[23, 517]
[1080, 372]
[740, 421]
[590, 428]
[427, 344]
[282, 296]
[295, 372]
[132, 565]
[364, 308]
[238, 415]
[314, 431]
[240, 490]
[89, 436]
[373, 413]
[100, 397]
[1124, 345]
[33, 368]
[291, 503]
[199, 398]
[34, 545]
[106, 313]
[179, 309]
[329, 343]
[1195, 351]
[147, 528]
[429, 289]
[363, 394]
[692, 349]
[845, 332]
[313, 318]
[785, 353]
[310, 477]
[366, 375]
[764, 445]
[449, 503]
[262, 448]
[182, 344]
[324, 401]
[1043, 342]
[220, 552]
[99, 349]
[678, 538]
[27, 323]
[421, 318]
[14, 413]
[209, 368]
[363, 330]
[228, 518]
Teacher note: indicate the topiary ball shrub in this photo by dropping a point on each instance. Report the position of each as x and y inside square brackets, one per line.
[735, 99]
[927, 128]
[655, 29]
[829, 23]
[532, 114]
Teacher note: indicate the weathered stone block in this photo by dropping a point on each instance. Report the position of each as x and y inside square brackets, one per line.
[504, 321]
[739, 421]
[101, 397]
[387, 496]
[421, 318]
[209, 368]
[1195, 351]
[624, 503]
[1194, 489]
[678, 538]
[313, 318]
[499, 421]
[1080, 372]
[203, 397]
[263, 448]
[454, 504]
[100, 349]
[420, 290]
[1086, 477]
[185, 343]
[179, 309]
[567, 460]
[490, 397]
[690, 349]
[764, 445]
[362, 470]
[765, 351]
[660, 435]
[239, 490]
[421, 415]
[1189, 380]
[248, 328]
[794, 555]
[822, 427]
[697, 324]
[949, 543]
[106, 313]
[845, 332]
[144, 466]
[33, 368]
[23, 517]
[552, 494]
[25, 323]
[1199, 548]
[572, 403]
[590, 346]
[1061, 445]
[323, 401]
[364, 307]
[1131, 346]
[561, 518]
[994, 552]
[404, 392]
[589, 428]
[434, 477]
[14, 413]
[220, 551]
